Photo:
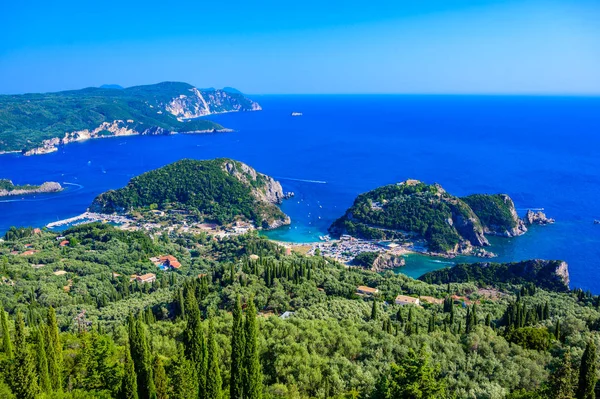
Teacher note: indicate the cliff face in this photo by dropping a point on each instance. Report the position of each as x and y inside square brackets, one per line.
[387, 261]
[497, 214]
[201, 103]
[38, 123]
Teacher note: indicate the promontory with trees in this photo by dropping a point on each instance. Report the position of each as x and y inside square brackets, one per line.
[99, 311]
[413, 210]
[39, 123]
[219, 190]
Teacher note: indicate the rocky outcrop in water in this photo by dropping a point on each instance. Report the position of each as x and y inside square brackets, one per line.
[539, 217]
[7, 188]
[387, 261]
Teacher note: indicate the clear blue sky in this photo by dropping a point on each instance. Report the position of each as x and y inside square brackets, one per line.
[324, 46]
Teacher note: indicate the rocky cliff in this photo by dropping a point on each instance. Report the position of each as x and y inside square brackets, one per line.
[539, 217]
[7, 188]
[448, 224]
[39, 123]
[497, 214]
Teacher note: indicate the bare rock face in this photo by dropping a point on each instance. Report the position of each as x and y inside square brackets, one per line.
[265, 187]
[469, 228]
[536, 218]
[387, 261]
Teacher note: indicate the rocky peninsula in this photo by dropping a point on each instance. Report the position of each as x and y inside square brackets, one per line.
[446, 225]
[39, 123]
[7, 188]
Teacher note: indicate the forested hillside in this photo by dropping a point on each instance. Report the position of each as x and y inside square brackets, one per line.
[222, 190]
[26, 121]
[413, 209]
[78, 326]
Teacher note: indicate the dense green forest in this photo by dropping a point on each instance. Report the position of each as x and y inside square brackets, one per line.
[76, 326]
[209, 187]
[27, 120]
[444, 221]
[539, 272]
[492, 210]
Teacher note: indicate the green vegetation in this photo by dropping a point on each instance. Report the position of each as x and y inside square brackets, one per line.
[27, 120]
[550, 275]
[214, 325]
[413, 209]
[208, 188]
[365, 259]
[389, 211]
[493, 211]
[8, 185]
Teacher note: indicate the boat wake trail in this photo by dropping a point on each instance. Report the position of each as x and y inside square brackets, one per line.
[302, 180]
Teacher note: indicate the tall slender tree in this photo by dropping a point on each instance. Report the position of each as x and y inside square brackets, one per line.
[195, 343]
[236, 382]
[42, 360]
[22, 376]
[160, 379]
[140, 353]
[213, 373]
[182, 378]
[6, 343]
[54, 351]
[562, 380]
[253, 374]
[587, 373]
[129, 388]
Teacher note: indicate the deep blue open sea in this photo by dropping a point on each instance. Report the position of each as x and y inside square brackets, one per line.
[542, 151]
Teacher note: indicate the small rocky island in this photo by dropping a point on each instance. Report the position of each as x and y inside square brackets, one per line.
[7, 188]
[429, 217]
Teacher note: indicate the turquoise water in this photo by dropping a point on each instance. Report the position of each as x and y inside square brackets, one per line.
[542, 151]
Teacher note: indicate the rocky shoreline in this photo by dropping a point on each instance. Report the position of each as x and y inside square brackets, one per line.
[47, 187]
[117, 128]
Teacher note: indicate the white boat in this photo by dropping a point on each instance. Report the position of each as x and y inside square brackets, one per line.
[296, 113]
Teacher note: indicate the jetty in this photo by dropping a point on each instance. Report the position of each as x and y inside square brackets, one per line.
[90, 217]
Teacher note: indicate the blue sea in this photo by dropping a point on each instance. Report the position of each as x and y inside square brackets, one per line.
[542, 151]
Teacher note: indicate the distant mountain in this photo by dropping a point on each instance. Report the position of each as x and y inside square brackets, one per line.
[222, 190]
[231, 90]
[38, 123]
[118, 87]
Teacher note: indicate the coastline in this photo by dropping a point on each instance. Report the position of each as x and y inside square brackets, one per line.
[52, 145]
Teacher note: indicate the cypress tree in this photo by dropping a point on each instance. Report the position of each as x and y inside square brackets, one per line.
[562, 380]
[140, 353]
[129, 388]
[213, 374]
[374, 310]
[587, 373]
[182, 378]
[22, 378]
[6, 343]
[42, 360]
[54, 352]
[160, 379]
[195, 345]
[236, 386]
[253, 375]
